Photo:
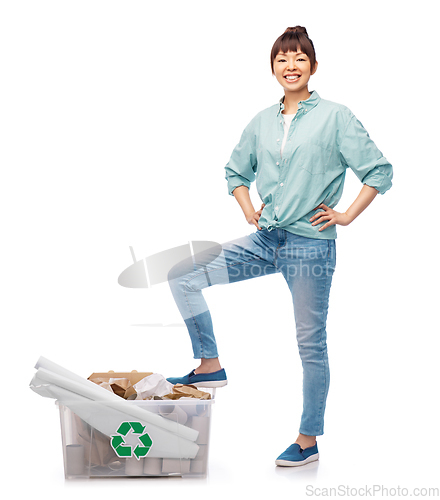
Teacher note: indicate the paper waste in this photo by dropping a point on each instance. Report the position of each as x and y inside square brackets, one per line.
[104, 410]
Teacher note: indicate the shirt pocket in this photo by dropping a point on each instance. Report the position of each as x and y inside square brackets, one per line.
[315, 156]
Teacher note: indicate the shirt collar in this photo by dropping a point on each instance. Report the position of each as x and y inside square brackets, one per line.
[307, 105]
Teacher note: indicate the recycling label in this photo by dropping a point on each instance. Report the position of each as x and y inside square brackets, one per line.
[135, 443]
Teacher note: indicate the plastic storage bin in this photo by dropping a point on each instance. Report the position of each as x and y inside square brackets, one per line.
[132, 448]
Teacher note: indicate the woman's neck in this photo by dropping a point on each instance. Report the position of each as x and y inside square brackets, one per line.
[291, 100]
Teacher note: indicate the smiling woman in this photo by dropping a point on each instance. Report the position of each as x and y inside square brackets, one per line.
[297, 151]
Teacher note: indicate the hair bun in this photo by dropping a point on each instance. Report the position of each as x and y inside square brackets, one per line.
[297, 29]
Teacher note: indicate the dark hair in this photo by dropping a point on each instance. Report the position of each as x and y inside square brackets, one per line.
[294, 39]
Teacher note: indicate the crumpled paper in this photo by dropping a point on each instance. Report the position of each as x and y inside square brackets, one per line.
[153, 385]
[118, 386]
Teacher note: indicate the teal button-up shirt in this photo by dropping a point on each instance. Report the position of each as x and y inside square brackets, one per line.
[324, 139]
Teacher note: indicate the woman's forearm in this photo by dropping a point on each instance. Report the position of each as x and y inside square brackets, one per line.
[241, 194]
[365, 197]
[332, 217]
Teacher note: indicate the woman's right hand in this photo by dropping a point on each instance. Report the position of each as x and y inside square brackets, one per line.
[254, 218]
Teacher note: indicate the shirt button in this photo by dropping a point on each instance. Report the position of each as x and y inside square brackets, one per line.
[278, 162]
[276, 208]
[282, 184]
[277, 140]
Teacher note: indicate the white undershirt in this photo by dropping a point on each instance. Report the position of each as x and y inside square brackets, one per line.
[287, 121]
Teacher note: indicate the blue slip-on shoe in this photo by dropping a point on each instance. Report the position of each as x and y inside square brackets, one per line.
[295, 455]
[215, 379]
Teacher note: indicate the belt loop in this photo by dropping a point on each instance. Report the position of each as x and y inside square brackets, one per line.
[280, 236]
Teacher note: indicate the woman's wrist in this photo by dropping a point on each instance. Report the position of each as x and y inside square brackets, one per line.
[349, 218]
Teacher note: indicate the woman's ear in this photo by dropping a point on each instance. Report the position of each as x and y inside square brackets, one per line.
[315, 68]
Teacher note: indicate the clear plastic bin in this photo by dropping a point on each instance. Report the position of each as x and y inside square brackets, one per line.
[136, 448]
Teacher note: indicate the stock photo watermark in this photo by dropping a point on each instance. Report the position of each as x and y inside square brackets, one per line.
[207, 257]
[379, 490]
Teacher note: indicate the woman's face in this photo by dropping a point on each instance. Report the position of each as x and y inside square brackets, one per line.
[296, 64]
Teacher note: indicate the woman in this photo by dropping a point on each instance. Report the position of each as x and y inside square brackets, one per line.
[298, 151]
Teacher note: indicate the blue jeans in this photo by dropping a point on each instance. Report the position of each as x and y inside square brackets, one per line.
[307, 265]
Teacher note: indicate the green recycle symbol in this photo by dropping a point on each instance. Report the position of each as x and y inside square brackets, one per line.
[124, 450]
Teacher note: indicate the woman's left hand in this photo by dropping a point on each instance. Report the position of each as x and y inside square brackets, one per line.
[331, 216]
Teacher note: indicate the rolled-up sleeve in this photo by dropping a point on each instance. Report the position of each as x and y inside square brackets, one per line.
[361, 154]
[241, 168]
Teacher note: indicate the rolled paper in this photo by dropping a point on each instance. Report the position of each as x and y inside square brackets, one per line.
[202, 453]
[53, 367]
[198, 467]
[107, 420]
[134, 467]
[201, 424]
[202, 409]
[75, 460]
[200, 463]
[153, 466]
[174, 413]
[196, 410]
[97, 393]
[173, 466]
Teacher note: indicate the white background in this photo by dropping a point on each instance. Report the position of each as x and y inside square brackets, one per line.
[117, 119]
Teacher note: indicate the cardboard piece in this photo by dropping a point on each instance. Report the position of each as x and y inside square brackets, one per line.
[121, 383]
[187, 391]
[97, 450]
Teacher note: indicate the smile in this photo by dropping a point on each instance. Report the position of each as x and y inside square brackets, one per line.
[292, 78]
